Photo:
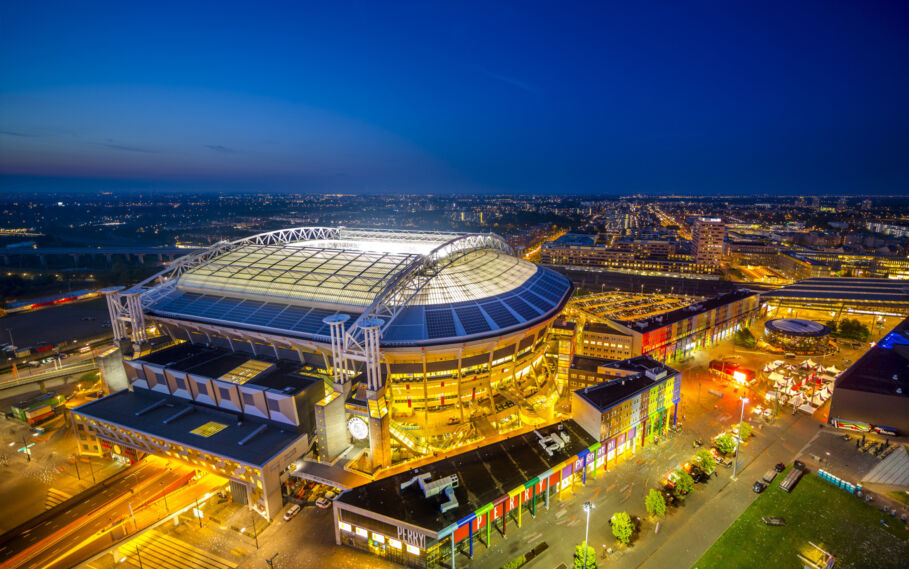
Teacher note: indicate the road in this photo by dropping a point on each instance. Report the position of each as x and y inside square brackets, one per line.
[39, 542]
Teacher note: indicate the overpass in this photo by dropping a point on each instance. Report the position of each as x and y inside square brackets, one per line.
[161, 253]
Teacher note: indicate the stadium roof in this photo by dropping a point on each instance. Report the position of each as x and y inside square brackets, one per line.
[463, 285]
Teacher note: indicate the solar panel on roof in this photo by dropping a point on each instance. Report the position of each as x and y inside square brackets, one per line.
[521, 307]
[440, 324]
[499, 314]
[548, 293]
[472, 319]
[536, 301]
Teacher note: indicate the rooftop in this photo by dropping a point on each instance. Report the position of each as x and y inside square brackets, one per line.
[137, 411]
[844, 289]
[884, 369]
[290, 287]
[644, 373]
[484, 475]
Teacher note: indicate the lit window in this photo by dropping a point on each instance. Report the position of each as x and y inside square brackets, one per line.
[413, 549]
[344, 526]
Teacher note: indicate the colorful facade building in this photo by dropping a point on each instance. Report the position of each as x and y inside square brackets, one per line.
[634, 403]
[450, 512]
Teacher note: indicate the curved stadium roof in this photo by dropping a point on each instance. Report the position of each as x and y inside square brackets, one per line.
[288, 284]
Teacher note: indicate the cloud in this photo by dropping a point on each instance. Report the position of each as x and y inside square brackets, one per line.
[219, 148]
[127, 148]
[21, 134]
[513, 82]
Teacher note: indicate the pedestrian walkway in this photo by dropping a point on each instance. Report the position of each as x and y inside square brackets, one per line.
[156, 550]
[55, 497]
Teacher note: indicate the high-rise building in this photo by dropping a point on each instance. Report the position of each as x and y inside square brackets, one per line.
[866, 205]
[707, 239]
[841, 204]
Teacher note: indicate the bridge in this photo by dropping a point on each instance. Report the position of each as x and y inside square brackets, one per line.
[161, 253]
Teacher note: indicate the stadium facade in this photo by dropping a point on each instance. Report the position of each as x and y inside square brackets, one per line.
[400, 344]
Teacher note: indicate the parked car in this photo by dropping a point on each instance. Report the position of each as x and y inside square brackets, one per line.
[779, 467]
[331, 495]
[291, 512]
[758, 487]
[323, 503]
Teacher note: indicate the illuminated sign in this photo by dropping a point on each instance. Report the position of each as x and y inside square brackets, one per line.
[362, 532]
[358, 428]
[394, 543]
[889, 431]
[852, 425]
[413, 550]
[378, 538]
[345, 526]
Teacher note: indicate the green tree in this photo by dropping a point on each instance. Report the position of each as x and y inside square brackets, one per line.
[746, 429]
[724, 443]
[684, 483]
[622, 527]
[744, 338]
[579, 557]
[854, 330]
[517, 562]
[655, 503]
[704, 460]
[832, 324]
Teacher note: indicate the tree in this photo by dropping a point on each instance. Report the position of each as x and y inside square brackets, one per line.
[621, 526]
[684, 483]
[744, 338]
[724, 443]
[854, 330]
[745, 431]
[579, 557]
[832, 324]
[704, 459]
[655, 503]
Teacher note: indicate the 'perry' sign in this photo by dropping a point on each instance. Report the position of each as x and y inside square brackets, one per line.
[412, 537]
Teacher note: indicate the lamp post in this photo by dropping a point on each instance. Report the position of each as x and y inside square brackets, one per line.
[587, 507]
[735, 464]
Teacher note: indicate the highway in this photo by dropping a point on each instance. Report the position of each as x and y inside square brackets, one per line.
[64, 534]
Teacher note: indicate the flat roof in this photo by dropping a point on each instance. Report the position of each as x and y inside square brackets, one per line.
[603, 328]
[844, 289]
[884, 369]
[606, 395]
[484, 475]
[287, 376]
[136, 411]
[587, 363]
[797, 327]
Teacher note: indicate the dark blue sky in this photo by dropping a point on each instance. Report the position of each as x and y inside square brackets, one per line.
[551, 97]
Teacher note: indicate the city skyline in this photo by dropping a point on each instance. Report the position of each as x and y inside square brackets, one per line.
[787, 100]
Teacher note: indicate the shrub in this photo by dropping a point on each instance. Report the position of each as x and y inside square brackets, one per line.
[745, 430]
[684, 483]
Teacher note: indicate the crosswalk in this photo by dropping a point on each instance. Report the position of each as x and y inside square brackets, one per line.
[157, 550]
[55, 497]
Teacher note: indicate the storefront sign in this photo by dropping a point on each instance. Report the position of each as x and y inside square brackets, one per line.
[412, 537]
[889, 431]
[852, 425]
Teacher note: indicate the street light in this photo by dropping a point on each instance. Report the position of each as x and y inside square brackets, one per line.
[587, 507]
[735, 464]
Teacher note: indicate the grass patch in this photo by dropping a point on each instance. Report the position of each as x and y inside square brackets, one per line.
[900, 497]
[816, 511]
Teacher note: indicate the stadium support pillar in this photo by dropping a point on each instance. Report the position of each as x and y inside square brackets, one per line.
[453, 548]
[114, 311]
[335, 324]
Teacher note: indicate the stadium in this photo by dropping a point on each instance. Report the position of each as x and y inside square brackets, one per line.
[422, 341]
[797, 335]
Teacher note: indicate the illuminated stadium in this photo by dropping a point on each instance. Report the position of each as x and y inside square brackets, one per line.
[425, 341]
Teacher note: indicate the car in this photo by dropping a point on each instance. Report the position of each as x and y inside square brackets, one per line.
[291, 512]
[779, 467]
[331, 495]
[323, 503]
[758, 487]
[789, 356]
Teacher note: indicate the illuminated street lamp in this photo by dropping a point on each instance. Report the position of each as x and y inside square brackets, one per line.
[735, 464]
[587, 507]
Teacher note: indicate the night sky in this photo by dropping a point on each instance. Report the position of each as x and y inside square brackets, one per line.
[520, 97]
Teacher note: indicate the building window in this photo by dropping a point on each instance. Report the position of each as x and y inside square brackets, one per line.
[273, 404]
[248, 399]
[181, 383]
[225, 392]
